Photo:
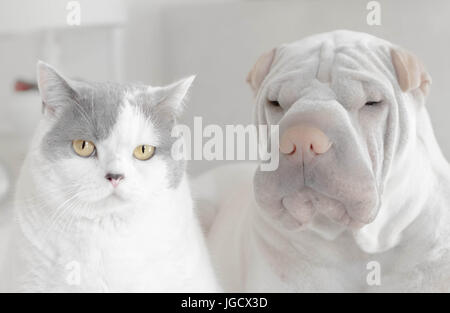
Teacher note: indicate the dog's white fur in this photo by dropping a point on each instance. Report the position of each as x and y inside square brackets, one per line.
[257, 250]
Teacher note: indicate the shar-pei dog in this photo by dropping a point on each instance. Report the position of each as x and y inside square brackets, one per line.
[360, 199]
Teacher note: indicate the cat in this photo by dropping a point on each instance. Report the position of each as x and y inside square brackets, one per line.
[101, 205]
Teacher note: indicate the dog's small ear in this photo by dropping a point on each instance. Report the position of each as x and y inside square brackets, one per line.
[411, 73]
[260, 70]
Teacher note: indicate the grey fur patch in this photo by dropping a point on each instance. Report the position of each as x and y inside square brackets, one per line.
[90, 113]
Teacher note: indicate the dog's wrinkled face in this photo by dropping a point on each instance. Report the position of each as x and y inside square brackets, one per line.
[345, 103]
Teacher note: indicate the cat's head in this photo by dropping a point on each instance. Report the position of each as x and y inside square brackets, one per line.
[108, 144]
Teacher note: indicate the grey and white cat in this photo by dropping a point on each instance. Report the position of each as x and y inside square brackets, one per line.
[101, 205]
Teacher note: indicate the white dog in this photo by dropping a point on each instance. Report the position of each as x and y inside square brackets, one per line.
[361, 198]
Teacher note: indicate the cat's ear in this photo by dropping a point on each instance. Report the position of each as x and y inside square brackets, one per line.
[174, 95]
[55, 90]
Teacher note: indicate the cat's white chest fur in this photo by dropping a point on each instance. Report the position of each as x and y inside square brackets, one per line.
[158, 249]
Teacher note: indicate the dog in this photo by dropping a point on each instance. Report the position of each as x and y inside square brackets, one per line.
[360, 200]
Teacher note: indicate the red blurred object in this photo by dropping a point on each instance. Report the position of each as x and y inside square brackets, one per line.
[22, 85]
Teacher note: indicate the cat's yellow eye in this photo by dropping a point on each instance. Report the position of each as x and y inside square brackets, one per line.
[83, 148]
[144, 152]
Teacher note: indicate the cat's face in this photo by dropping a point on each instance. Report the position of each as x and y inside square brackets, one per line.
[109, 145]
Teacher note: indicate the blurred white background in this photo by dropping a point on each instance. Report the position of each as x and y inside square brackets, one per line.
[158, 41]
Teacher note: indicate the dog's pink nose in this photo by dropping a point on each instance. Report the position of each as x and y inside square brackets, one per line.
[305, 138]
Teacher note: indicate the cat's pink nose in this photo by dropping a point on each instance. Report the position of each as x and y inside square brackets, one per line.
[304, 139]
[114, 179]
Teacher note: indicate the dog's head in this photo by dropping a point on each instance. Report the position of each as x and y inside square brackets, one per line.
[346, 105]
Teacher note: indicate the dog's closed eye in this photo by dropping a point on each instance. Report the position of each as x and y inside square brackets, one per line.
[373, 102]
[274, 103]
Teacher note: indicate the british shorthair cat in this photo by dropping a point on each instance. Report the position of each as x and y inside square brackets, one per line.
[101, 204]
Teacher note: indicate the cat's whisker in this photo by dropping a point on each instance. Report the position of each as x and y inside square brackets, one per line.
[59, 212]
[83, 114]
[70, 214]
[76, 213]
[41, 201]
